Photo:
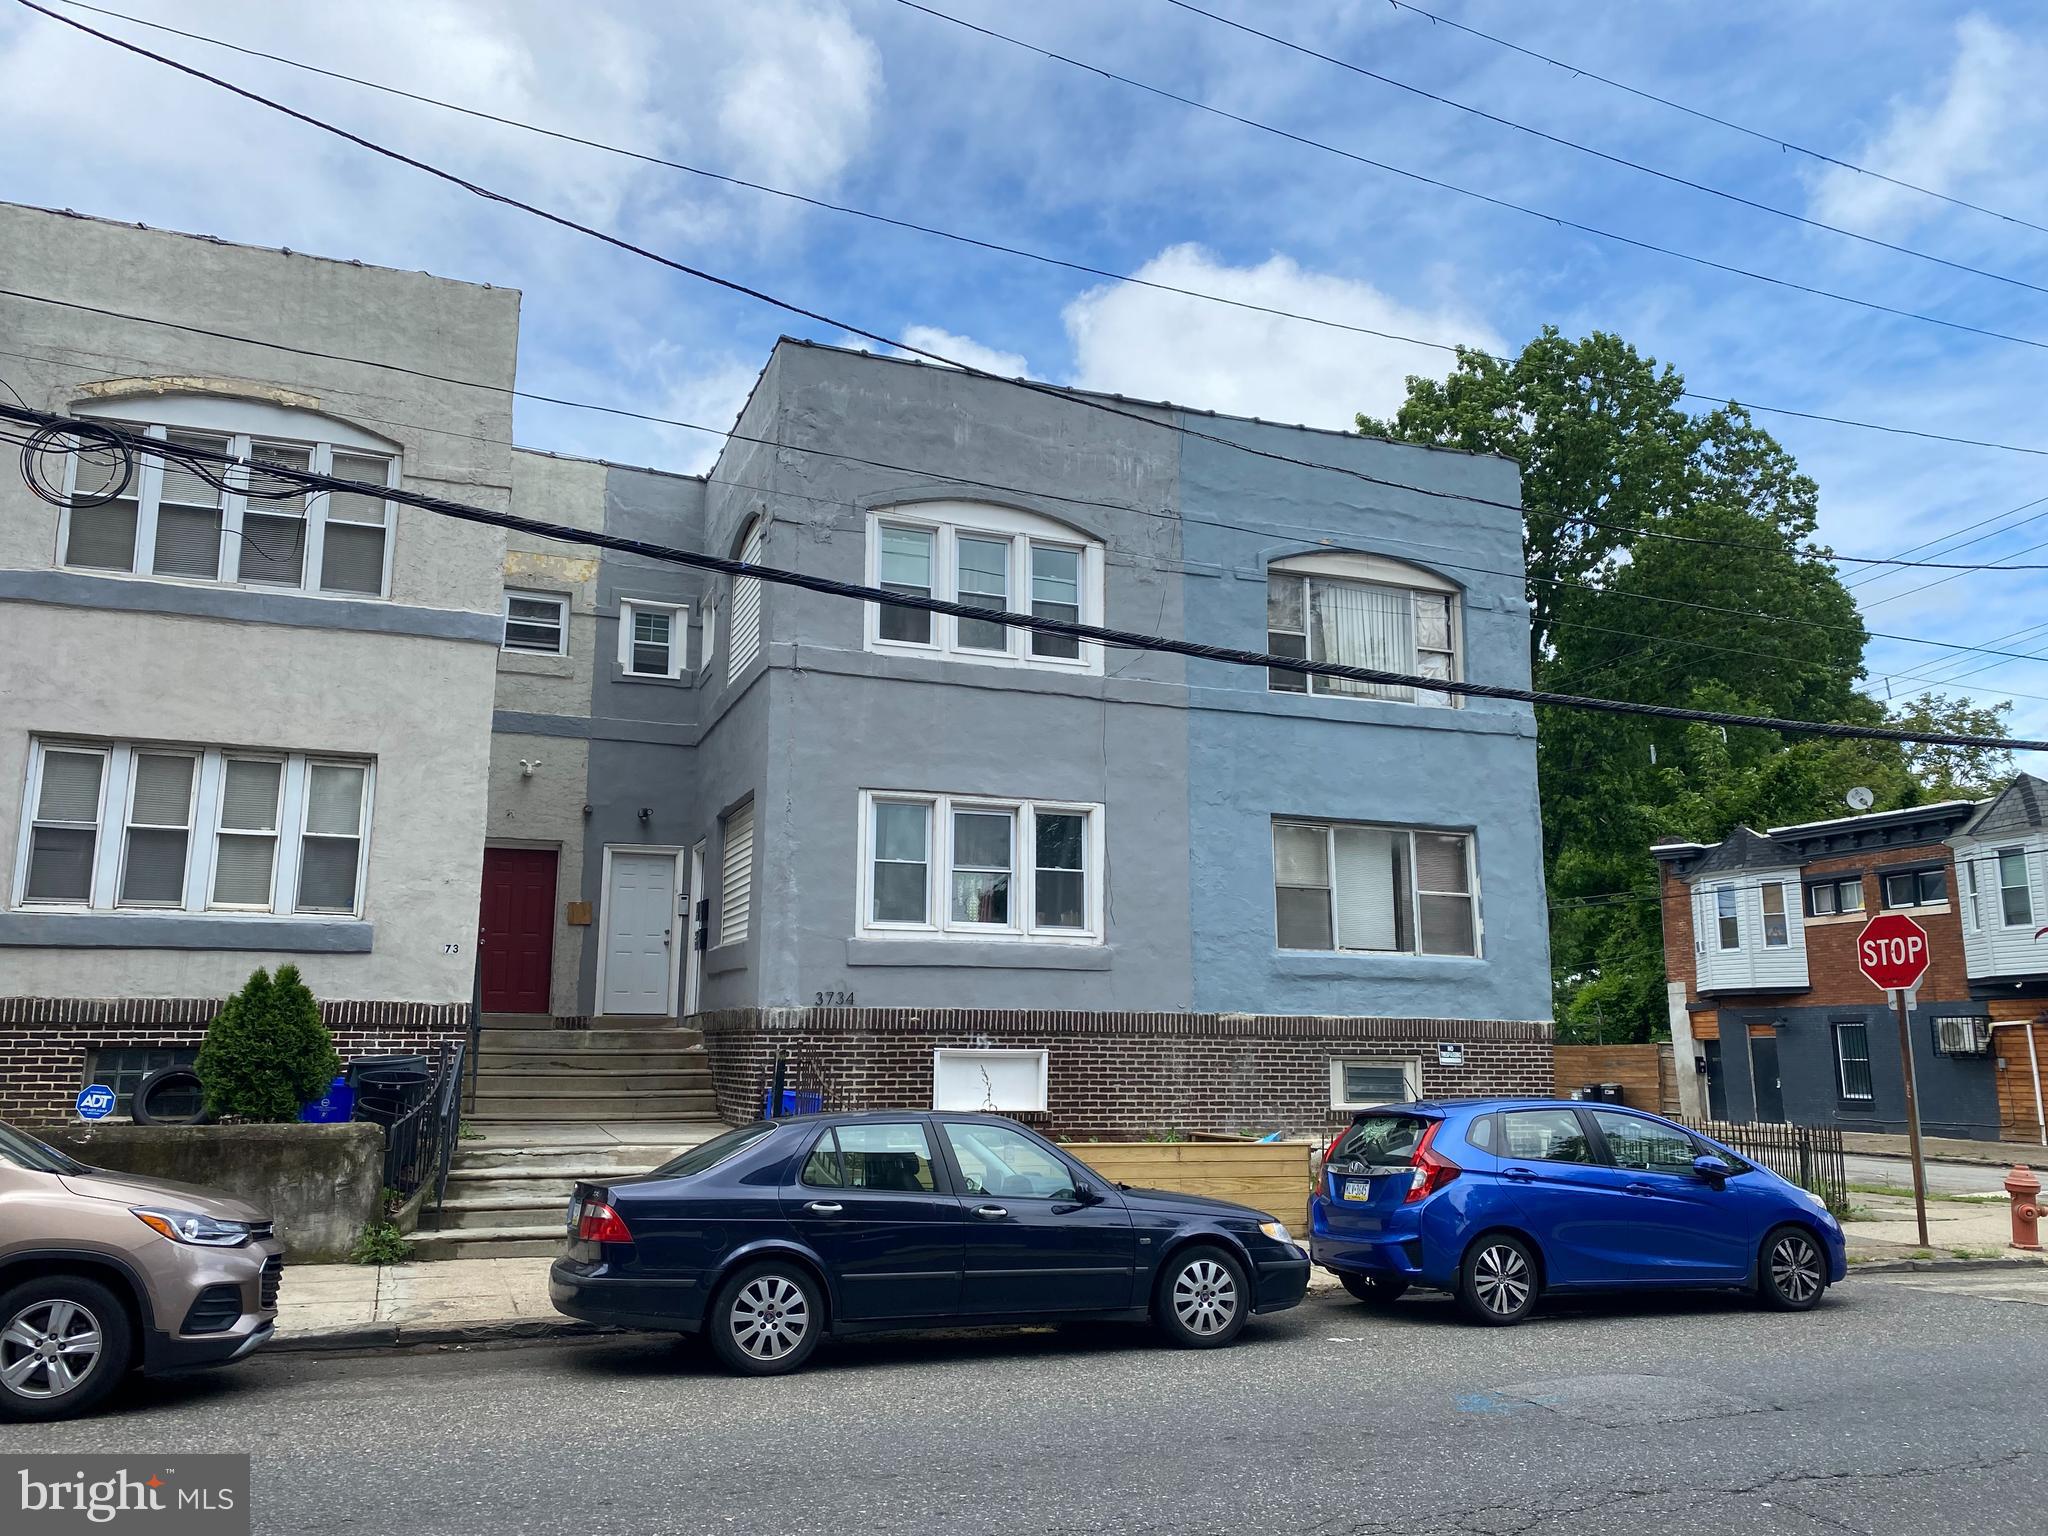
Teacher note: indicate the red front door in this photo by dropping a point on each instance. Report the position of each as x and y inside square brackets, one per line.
[517, 940]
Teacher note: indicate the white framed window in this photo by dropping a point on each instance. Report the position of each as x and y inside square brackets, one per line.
[1360, 1082]
[1347, 886]
[736, 888]
[972, 866]
[1362, 611]
[1976, 905]
[991, 1081]
[180, 828]
[652, 638]
[710, 632]
[744, 642]
[985, 557]
[1777, 925]
[172, 525]
[536, 623]
[2015, 892]
[1727, 917]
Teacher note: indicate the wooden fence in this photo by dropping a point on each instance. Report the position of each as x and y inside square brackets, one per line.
[1809, 1155]
[1647, 1076]
[1268, 1176]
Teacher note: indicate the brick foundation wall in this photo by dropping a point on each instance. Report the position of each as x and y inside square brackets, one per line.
[1114, 1076]
[44, 1040]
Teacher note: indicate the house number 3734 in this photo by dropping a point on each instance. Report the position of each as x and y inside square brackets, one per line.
[834, 1000]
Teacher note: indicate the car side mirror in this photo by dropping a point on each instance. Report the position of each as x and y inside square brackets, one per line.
[1711, 1168]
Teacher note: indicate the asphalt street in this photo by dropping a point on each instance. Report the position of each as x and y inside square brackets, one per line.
[1907, 1403]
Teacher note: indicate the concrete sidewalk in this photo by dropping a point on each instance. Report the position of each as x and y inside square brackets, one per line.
[1946, 1149]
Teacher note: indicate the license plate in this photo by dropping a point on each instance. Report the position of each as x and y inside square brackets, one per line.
[1358, 1189]
[575, 1213]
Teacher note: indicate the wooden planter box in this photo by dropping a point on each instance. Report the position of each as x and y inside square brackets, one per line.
[1271, 1177]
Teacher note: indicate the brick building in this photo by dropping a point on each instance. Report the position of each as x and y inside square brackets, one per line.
[1771, 1018]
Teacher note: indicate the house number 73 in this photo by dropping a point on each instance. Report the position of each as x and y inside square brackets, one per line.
[451, 949]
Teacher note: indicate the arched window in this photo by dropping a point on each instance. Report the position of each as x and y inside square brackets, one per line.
[986, 557]
[1363, 611]
[745, 642]
[169, 523]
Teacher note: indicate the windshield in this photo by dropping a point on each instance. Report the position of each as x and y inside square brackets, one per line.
[1384, 1140]
[27, 1152]
[714, 1151]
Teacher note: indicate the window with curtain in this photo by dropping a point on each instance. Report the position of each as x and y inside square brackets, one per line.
[993, 558]
[1342, 886]
[194, 829]
[955, 866]
[169, 522]
[1381, 624]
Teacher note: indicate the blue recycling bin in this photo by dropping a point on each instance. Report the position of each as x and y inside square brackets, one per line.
[793, 1103]
[336, 1107]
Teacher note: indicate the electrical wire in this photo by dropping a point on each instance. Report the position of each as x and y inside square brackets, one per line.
[1485, 197]
[999, 247]
[1579, 71]
[1271, 531]
[1599, 154]
[225, 464]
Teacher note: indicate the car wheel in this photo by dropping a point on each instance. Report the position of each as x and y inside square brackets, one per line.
[1792, 1273]
[766, 1320]
[1203, 1298]
[1375, 1290]
[64, 1345]
[1497, 1282]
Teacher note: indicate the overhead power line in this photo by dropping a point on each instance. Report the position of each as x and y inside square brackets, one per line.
[1599, 154]
[998, 247]
[1777, 140]
[1275, 530]
[1560, 220]
[54, 433]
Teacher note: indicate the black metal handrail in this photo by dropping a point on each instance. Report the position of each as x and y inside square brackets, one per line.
[1811, 1156]
[420, 1137]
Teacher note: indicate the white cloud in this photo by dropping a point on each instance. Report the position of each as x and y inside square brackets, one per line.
[964, 349]
[797, 100]
[1139, 341]
[1989, 117]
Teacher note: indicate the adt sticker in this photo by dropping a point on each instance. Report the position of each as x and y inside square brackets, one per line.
[96, 1102]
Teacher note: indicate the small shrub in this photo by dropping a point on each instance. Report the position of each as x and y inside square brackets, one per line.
[382, 1244]
[266, 1051]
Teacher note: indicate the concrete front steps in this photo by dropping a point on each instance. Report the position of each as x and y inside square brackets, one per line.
[508, 1194]
[557, 1105]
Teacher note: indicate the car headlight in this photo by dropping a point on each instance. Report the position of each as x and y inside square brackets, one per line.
[1276, 1230]
[193, 1227]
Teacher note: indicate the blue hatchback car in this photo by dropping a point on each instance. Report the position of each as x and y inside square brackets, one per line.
[1500, 1201]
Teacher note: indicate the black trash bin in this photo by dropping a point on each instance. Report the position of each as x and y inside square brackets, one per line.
[1588, 1093]
[387, 1087]
[1610, 1093]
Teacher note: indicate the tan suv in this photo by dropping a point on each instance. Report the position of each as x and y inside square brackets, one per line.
[102, 1272]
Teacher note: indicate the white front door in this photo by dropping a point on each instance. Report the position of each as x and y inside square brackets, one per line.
[639, 929]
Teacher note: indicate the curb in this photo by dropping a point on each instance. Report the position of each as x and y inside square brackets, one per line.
[406, 1335]
[1896, 1266]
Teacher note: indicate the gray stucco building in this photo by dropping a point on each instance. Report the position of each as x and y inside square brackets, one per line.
[925, 859]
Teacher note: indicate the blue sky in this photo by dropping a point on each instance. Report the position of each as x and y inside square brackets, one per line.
[873, 104]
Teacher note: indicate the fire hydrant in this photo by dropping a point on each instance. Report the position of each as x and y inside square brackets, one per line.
[2025, 1189]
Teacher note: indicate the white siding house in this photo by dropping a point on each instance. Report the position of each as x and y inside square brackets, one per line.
[1748, 935]
[2002, 883]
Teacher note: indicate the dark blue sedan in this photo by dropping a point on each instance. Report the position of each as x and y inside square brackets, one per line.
[772, 1236]
[1501, 1201]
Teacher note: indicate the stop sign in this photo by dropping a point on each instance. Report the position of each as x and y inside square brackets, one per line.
[1892, 951]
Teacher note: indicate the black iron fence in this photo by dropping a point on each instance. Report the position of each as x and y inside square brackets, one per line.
[1809, 1155]
[418, 1101]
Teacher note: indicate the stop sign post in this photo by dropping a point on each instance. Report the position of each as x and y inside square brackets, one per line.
[1892, 951]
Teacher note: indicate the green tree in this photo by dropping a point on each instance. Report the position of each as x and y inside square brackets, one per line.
[1957, 773]
[1670, 560]
[266, 1052]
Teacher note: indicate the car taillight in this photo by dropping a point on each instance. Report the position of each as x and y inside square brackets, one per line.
[1432, 1169]
[602, 1224]
[1329, 1151]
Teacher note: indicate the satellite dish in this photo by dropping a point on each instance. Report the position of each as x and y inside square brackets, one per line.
[1860, 799]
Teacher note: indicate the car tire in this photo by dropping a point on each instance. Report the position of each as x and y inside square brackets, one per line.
[168, 1077]
[1498, 1281]
[1375, 1290]
[766, 1320]
[77, 1325]
[1202, 1299]
[1791, 1270]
